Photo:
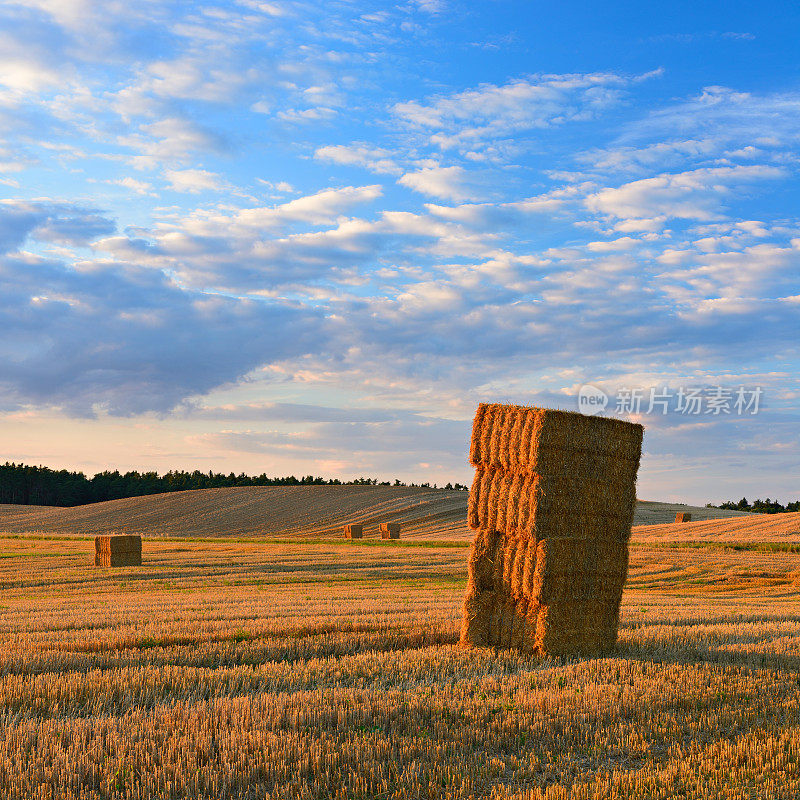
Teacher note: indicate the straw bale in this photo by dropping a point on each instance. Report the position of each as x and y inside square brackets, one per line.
[496, 618]
[518, 568]
[579, 568]
[118, 551]
[481, 560]
[577, 627]
[390, 530]
[478, 427]
[578, 526]
[552, 502]
[518, 437]
[475, 618]
[517, 640]
[509, 559]
[508, 621]
[500, 547]
[507, 501]
[682, 516]
[531, 627]
[353, 531]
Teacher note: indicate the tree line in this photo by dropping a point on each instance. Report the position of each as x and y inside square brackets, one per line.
[21, 484]
[759, 506]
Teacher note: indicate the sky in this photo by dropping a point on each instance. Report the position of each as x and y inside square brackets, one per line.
[291, 237]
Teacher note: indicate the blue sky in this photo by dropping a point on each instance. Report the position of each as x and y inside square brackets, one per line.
[274, 236]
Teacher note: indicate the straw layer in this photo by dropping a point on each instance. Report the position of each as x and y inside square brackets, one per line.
[545, 441]
[507, 501]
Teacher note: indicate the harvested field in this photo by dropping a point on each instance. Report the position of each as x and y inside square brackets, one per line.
[313, 511]
[305, 670]
[751, 528]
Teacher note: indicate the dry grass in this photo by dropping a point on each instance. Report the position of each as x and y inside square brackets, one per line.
[224, 670]
[280, 511]
[750, 528]
[314, 511]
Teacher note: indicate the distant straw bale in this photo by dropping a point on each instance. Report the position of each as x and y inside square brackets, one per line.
[552, 503]
[353, 531]
[390, 530]
[118, 551]
[682, 516]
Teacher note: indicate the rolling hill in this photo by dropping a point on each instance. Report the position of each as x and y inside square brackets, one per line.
[317, 511]
[750, 528]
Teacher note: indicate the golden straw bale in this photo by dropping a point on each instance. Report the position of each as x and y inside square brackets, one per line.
[529, 570]
[481, 560]
[556, 490]
[579, 626]
[520, 624]
[501, 544]
[518, 568]
[121, 550]
[507, 622]
[496, 618]
[390, 530]
[531, 627]
[475, 618]
[545, 435]
[508, 501]
[515, 438]
[490, 423]
[478, 427]
[509, 559]
[682, 516]
[353, 531]
[578, 526]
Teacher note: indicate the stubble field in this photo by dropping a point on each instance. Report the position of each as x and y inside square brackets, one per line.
[330, 670]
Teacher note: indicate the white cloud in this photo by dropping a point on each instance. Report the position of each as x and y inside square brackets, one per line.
[27, 67]
[140, 187]
[193, 180]
[375, 159]
[464, 119]
[306, 115]
[315, 209]
[69, 13]
[623, 243]
[696, 194]
[193, 77]
[450, 183]
[659, 155]
[170, 139]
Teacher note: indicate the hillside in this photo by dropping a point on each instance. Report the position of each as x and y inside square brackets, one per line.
[268, 511]
[289, 511]
[749, 528]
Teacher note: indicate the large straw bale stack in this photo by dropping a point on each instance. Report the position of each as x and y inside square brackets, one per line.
[390, 530]
[552, 505]
[118, 551]
[353, 531]
[682, 516]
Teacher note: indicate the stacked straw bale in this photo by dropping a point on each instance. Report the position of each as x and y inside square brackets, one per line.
[118, 551]
[390, 530]
[682, 516]
[552, 504]
[353, 531]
